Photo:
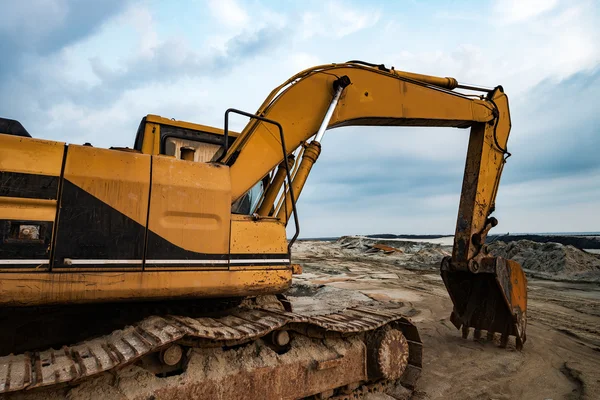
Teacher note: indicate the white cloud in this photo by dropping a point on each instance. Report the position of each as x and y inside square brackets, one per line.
[143, 22]
[229, 12]
[553, 45]
[116, 124]
[567, 204]
[522, 10]
[337, 19]
[301, 61]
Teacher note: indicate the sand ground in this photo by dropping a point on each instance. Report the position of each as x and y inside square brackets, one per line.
[560, 360]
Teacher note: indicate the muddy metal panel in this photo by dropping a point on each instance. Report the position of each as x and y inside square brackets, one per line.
[190, 212]
[35, 288]
[29, 181]
[258, 244]
[104, 205]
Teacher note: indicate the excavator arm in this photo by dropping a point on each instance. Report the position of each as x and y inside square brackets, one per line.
[488, 293]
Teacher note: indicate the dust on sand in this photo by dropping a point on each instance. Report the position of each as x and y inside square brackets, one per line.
[561, 358]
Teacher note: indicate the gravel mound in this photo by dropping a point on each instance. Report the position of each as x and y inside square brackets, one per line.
[550, 260]
[411, 254]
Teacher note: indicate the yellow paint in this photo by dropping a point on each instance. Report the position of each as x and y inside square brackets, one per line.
[118, 178]
[31, 156]
[28, 289]
[518, 294]
[190, 204]
[151, 141]
[266, 236]
[27, 209]
[187, 125]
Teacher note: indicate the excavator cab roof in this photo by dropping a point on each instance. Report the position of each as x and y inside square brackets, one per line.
[171, 128]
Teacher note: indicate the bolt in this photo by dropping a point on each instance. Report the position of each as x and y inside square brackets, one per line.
[473, 266]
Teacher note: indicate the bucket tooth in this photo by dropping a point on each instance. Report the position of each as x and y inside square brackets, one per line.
[493, 299]
[465, 331]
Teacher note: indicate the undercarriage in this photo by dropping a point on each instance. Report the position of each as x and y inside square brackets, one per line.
[258, 350]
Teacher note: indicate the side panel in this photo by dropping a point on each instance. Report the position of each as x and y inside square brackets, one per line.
[258, 244]
[190, 213]
[104, 206]
[29, 289]
[29, 180]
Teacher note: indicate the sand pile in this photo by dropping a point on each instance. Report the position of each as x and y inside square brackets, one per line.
[550, 260]
[405, 252]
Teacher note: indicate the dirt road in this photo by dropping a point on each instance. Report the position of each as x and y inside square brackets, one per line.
[561, 358]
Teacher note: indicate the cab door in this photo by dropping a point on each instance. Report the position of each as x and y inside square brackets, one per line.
[190, 215]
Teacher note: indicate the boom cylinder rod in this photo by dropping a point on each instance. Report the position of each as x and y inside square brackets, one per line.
[311, 153]
[339, 85]
[474, 87]
[328, 115]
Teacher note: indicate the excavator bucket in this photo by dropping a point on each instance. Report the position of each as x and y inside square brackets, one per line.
[492, 297]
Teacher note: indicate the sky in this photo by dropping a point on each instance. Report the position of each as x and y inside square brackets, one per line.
[82, 71]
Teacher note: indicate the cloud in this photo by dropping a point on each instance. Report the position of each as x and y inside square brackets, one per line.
[555, 44]
[229, 12]
[44, 27]
[337, 19]
[556, 129]
[522, 10]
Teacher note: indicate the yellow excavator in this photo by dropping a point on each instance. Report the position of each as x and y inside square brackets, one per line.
[179, 244]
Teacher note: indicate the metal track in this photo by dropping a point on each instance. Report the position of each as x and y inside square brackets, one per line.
[122, 347]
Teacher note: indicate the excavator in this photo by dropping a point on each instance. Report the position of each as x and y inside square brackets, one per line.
[176, 249]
